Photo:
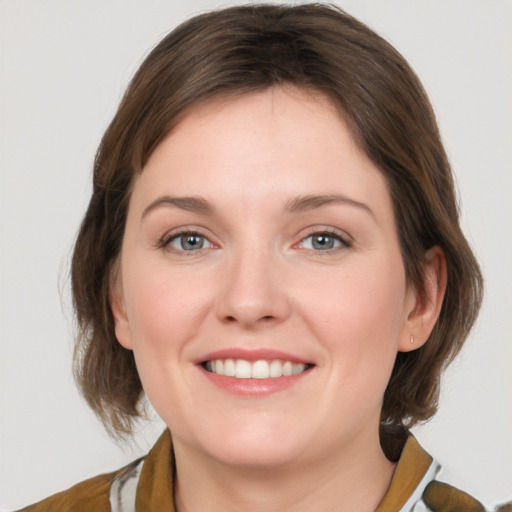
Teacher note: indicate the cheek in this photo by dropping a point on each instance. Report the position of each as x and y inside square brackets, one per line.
[165, 311]
[358, 320]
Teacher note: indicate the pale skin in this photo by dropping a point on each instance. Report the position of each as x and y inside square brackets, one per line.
[290, 244]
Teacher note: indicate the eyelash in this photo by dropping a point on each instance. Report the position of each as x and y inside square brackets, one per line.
[344, 242]
[165, 242]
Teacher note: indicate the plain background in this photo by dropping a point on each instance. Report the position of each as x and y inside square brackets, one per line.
[64, 65]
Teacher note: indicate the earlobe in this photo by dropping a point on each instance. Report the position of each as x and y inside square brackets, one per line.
[118, 307]
[426, 306]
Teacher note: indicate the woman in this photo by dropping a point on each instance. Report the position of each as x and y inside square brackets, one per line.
[272, 252]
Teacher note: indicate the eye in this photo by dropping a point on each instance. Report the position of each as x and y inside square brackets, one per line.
[324, 241]
[188, 241]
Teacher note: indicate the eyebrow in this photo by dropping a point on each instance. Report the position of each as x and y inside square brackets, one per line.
[311, 202]
[296, 205]
[190, 204]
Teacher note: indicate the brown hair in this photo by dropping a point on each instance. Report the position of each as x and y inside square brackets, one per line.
[250, 48]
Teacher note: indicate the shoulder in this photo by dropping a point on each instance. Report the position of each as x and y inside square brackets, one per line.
[443, 497]
[440, 496]
[91, 494]
[144, 484]
[419, 483]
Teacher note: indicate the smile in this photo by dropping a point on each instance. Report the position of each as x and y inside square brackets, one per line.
[260, 369]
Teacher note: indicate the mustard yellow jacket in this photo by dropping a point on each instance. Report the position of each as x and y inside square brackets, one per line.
[146, 485]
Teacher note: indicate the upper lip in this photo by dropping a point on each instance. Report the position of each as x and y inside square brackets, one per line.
[252, 355]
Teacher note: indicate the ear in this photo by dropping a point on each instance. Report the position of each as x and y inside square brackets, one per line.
[423, 309]
[118, 307]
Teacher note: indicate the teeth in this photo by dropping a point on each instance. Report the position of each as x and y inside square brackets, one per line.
[276, 369]
[298, 368]
[261, 369]
[229, 368]
[242, 369]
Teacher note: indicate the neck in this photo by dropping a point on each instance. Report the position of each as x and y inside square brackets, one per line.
[341, 482]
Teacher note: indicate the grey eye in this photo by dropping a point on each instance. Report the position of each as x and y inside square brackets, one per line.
[188, 242]
[321, 242]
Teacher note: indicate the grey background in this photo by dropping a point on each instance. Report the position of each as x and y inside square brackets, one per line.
[63, 68]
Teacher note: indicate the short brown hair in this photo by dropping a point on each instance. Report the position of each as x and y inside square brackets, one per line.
[250, 48]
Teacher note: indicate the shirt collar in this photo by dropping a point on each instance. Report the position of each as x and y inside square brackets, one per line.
[155, 489]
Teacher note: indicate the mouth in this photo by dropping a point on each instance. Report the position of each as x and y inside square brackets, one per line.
[259, 369]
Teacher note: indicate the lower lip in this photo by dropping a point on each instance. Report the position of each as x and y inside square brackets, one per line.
[253, 387]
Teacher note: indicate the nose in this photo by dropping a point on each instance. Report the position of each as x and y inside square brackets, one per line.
[253, 292]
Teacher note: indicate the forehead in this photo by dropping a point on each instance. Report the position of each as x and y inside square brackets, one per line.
[285, 141]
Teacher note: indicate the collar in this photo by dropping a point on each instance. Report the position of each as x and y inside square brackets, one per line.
[155, 488]
[154, 491]
[414, 464]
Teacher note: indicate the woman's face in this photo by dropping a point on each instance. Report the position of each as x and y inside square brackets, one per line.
[260, 241]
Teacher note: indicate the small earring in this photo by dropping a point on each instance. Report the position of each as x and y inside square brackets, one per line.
[412, 339]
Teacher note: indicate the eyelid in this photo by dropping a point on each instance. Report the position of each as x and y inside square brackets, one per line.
[344, 238]
[173, 234]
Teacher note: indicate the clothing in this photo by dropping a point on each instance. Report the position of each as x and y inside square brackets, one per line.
[146, 484]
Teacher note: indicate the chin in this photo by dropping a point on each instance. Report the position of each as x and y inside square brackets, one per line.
[258, 446]
[257, 456]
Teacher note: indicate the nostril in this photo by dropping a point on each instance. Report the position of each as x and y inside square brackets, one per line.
[264, 319]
